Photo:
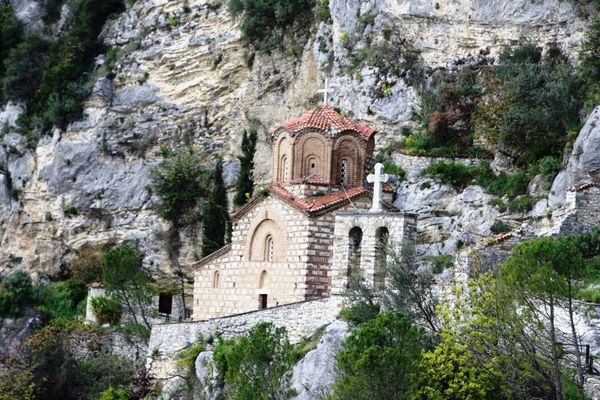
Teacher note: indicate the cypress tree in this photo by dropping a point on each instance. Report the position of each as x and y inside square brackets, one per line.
[216, 217]
[245, 184]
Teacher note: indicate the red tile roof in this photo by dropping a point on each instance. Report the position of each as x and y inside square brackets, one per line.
[314, 205]
[326, 118]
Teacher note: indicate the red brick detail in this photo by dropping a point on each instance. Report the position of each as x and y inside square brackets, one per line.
[325, 118]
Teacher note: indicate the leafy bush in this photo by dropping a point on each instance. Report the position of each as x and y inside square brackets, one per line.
[10, 36]
[16, 293]
[378, 360]
[256, 366]
[521, 204]
[500, 227]
[393, 169]
[264, 22]
[186, 358]
[61, 301]
[114, 394]
[24, 65]
[85, 267]
[540, 99]
[180, 182]
[460, 176]
[440, 263]
[108, 311]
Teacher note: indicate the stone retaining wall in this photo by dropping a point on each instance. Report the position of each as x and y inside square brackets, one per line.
[300, 319]
[414, 165]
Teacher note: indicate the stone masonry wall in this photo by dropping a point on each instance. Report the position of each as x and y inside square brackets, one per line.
[300, 319]
[400, 227]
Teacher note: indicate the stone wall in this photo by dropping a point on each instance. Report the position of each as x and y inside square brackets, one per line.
[398, 228]
[300, 319]
[414, 165]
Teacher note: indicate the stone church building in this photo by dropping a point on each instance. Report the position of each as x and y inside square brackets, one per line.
[317, 222]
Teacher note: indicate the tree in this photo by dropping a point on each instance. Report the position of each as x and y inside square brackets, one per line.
[256, 366]
[125, 280]
[409, 289]
[542, 273]
[10, 36]
[244, 186]
[15, 294]
[23, 68]
[378, 360]
[541, 101]
[216, 217]
[265, 21]
[180, 182]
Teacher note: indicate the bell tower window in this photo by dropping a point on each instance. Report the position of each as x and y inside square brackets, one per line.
[284, 169]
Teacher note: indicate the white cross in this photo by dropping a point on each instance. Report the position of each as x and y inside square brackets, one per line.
[326, 91]
[377, 180]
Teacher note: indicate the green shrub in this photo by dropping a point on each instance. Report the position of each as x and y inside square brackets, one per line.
[61, 300]
[114, 394]
[378, 360]
[256, 366]
[24, 65]
[108, 311]
[393, 169]
[323, 13]
[440, 263]
[70, 210]
[499, 227]
[16, 293]
[10, 36]
[521, 204]
[264, 22]
[186, 359]
[180, 181]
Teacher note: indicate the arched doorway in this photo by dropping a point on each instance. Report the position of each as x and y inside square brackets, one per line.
[381, 250]
[355, 237]
[263, 300]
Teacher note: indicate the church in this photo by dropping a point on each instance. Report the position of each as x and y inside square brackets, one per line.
[319, 221]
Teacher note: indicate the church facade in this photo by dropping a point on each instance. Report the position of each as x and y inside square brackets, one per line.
[314, 225]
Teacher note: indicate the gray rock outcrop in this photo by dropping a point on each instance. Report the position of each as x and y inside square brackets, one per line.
[314, 375]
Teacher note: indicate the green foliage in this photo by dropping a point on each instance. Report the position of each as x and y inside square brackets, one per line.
[114, 394]
[360, 298]
[500, 227]
[216, 219]
[108, 311]
[244, 187]
[521, 204]
[393, 169]
[378, 360]
[264, 22]
[186, 358]
[256, 366]
[53, 78]
[323, 13]
[180, 182]
[16, 293]
[460, 176]
[126, 282]
[85, 267]
[440, 263]
[70, 210]
[23, 68]
[10, 36]
[541, 95]
[61, 301]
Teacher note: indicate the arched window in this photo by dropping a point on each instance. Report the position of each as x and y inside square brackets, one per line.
[344, 172]
[354, 250]
[284, 169]
[312, 166]
[216, 279]
[269, 246]
[381, 244]
[262, 282]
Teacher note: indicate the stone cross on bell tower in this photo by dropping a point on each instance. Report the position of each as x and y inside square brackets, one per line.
[377, 180]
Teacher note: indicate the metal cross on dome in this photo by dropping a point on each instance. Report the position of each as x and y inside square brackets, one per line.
[326, 92]
[377, 180]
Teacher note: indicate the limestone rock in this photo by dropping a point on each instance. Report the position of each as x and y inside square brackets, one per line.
[314, 375]
[583, 162]
[207, 376]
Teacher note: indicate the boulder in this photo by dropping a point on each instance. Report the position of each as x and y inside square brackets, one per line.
[207, 376]
[583, 162]
[314, 375]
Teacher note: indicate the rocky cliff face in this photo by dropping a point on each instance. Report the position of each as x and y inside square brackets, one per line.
[185, 78]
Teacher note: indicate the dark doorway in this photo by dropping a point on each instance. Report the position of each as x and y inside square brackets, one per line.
[165, 303]
[262, 301]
